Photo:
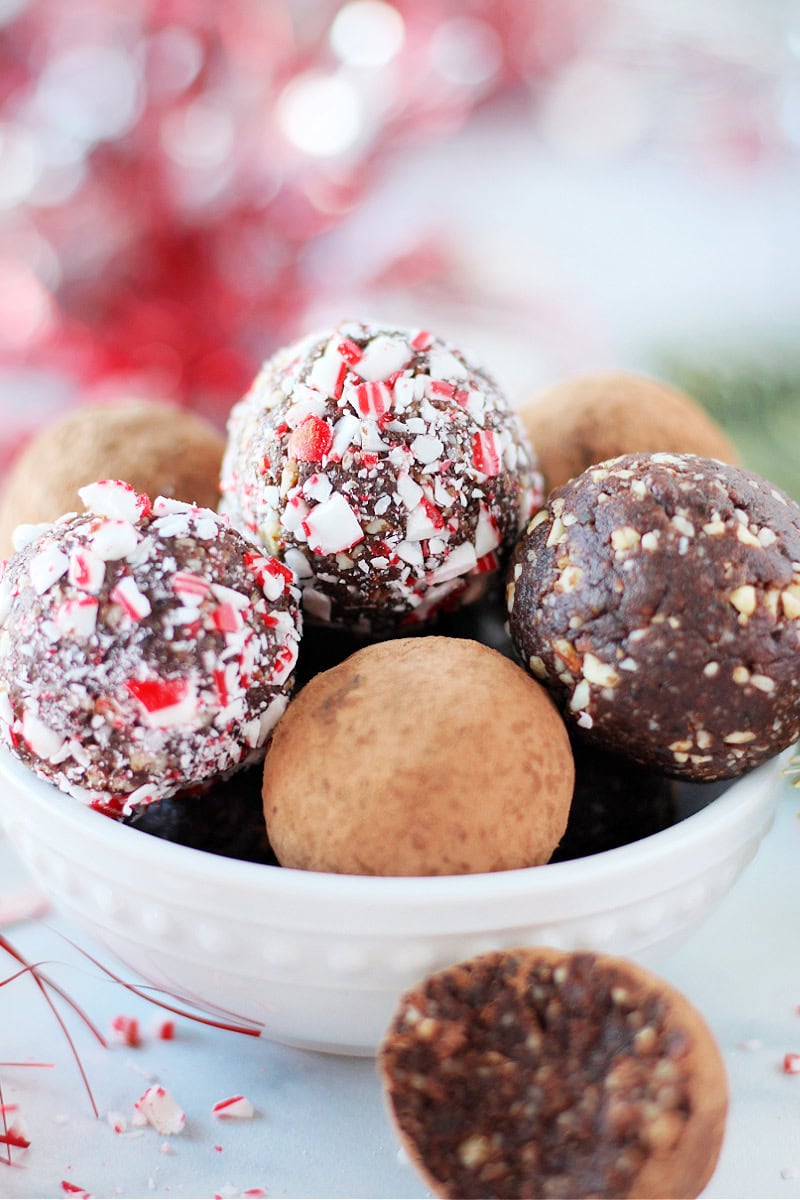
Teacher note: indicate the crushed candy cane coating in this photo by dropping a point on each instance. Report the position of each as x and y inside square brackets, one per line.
[386, 468]
[141, 656]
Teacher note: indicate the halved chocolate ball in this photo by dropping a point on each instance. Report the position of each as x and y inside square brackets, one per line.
[538, 1073]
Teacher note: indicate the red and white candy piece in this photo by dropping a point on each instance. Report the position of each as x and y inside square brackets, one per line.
[234, 1107]
[159, 1109]
[332, 527]
[87, 571]
[77, 617]
[43, 741]
[114, 498]
[74, 1189]
[118, 1121]
[165, 702]
[125, 1029]
[372, 399]
[128, 596]
[485, 455]
[191, 588]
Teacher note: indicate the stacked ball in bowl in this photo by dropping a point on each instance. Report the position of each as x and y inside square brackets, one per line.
[380, 478]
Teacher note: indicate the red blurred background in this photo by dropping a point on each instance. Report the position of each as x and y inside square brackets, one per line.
[186, 185]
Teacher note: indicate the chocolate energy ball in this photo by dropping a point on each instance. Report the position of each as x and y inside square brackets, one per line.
[159, 449]
[420, 756]
[143, 649]
[657, 597]
[591, 418]
[532, 1072]
[385, 468]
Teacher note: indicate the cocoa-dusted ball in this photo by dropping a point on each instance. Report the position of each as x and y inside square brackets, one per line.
[422, 756]
[143, 648]
[159, 449]
[657, 597]
[533, 1072]
[590, 418]
[386, 467]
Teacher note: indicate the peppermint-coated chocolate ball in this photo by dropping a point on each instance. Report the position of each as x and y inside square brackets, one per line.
[144, 648]
[385, 468]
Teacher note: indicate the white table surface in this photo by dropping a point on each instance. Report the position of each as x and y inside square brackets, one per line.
[320, 1128]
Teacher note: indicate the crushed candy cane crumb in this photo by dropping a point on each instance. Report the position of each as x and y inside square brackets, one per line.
[117, 1121]
[234, 1107]
[386, 467]
[125, 1029]
[144, 648]
[159, 1109]
[791, 1064]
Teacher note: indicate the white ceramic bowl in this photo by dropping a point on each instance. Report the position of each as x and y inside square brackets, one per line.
[320, 960]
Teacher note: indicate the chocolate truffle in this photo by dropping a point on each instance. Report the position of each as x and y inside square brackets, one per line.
[143, 649]
[159, 449]
[385, 468]
[533, 1072]
[657, 597]
[594, 417]
[421, 756]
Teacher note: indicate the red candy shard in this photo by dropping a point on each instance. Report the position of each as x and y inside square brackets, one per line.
[422, 340]
[127, 1028]
[349, 352]
[14, 1137]
[226, 618]
[311, 440]
[155, 694]
[791, 1064]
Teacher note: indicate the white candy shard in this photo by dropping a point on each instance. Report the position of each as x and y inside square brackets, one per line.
[46, 568]
[113, 498]
[426, 448]
[159, 1109]
[382, 356]
[114, 540]
[23, 535]
[332, 526]
[42, 740]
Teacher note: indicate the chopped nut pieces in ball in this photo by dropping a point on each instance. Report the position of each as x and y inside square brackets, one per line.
[657, 597]
[159, 449]
[537, 1073]
[387, 470]
[588, 419]
[143, 648]
[422, 756]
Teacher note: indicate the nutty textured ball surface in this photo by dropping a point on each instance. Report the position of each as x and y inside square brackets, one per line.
[159, 449]
[143, 649]
[421, 756]
[657, 597]
[533, 1072]
[590, 418]
[386, 468]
